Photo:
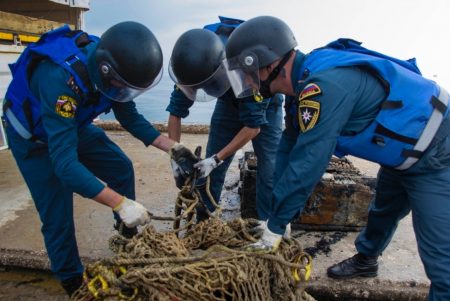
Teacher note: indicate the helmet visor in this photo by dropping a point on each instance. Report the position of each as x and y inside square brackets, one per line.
[214, 86]
[243, 74]
[116, 88]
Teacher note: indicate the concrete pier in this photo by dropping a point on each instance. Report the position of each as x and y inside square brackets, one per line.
[401, 275]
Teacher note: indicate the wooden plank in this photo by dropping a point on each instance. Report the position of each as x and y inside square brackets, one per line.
[24, 25]
[42, 9]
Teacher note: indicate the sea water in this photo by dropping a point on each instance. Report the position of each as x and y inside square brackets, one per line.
[153, 103]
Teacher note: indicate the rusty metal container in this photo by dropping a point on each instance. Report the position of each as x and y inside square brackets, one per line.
[340, 200]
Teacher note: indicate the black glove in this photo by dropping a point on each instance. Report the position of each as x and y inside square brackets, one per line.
[184, 158]
[180, 179]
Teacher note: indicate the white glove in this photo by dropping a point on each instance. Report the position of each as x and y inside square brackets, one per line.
[132, 213]
[207, 165]
[257, 228]
[269, 242]
[260, 226]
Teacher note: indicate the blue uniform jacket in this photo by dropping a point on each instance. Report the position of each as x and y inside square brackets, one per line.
[48, 83]
[349, 101]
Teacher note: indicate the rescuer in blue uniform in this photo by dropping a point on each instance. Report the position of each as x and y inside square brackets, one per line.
[345, 99]
[60, 84]
[196, 68]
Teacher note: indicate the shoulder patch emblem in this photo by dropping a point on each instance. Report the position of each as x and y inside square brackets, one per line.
[308, 114]
[310, 90]
[66, 106]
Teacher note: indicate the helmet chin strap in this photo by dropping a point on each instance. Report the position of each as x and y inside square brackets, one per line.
[264, 85]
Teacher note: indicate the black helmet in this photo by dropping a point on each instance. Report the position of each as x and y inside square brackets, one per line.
[255, 44]
[196, 64]
[129, 59]
[267, 37]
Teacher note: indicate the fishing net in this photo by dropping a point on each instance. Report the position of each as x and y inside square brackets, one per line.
[207, 262]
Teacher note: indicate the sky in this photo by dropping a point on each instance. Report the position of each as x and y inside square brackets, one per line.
[400, 28]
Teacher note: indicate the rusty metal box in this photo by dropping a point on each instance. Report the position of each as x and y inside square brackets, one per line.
[340, 200]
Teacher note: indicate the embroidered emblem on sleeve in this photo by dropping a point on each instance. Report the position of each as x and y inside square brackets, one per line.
[308, 114]
[66, 106]
[310, 90]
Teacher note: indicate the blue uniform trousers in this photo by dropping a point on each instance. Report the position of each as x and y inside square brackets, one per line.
[423, 190]
[225, 125]
[54, 201]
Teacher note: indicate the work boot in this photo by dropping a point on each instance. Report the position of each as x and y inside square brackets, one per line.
[72, 284]
[125, 231]
[358, 265]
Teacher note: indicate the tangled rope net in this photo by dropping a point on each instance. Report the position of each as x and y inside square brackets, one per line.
[207, 263]
[203, 261]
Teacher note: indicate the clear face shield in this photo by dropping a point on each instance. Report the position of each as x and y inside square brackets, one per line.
[212, 87]
[243, 74]
[116, 88]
